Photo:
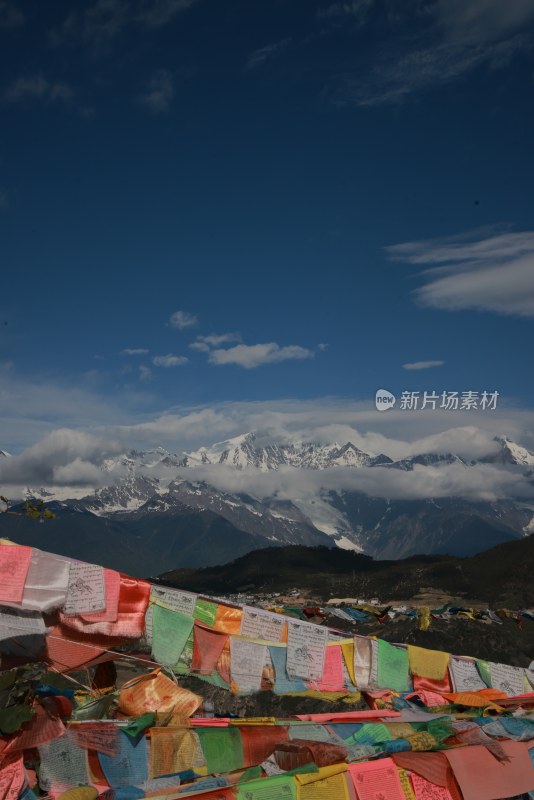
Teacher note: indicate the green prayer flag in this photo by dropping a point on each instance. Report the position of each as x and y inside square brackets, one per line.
[170, 632]
[183, 667]
[483, 669]
[206, 611]
[222, 748]
[370, 733]
[393, 667]
[250, 774]
[279, 786]
[134, 728]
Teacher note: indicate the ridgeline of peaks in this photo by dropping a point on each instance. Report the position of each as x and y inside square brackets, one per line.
[243, 451]
[160, 510]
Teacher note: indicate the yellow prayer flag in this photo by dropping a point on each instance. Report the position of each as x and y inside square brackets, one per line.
[334, 788]
[322, 774]
[421, 741]
[347, 648]
[400, 730]
[405, 784]
[424, 618]
[328, 783]
[431, 664]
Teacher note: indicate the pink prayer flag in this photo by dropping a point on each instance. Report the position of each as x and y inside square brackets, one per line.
[480, 776]
[351, 716]
[332, 679]
[376, 780]
[433, 767]
[14, 566]
[11, 776]
[424, 790]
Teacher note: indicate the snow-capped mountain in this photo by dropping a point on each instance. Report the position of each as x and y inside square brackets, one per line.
[512, 453]
[425, 460]
[244, 451]
[163, 499]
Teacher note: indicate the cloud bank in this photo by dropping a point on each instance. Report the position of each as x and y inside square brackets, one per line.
[37, 87]
[62, 458]
[423, 364]
[250, 356]
[159, 92]
[169, 360]
[447, 40]
[73, 460]
[493, 273]
[483, 482]
[182, 320]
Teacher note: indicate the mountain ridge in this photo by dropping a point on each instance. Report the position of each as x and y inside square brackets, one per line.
[499, 576]
[266, 493]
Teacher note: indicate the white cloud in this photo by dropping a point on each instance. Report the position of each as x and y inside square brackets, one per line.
[398, 434]
[258, 57]
[482, 482]
[479, 20]
[423, 364]
[396, 77]
[169, 360]
[203, 344]
[255, 355]
[71, 457]
[159, 92]
[99, 24]
[32, 407]
[182, 320]
[40, 88]
[145, 373]
[77, 473]
[323, 345]
[495, 273]
[64, 456]
[191, 427]
[450, 39]
[10, 15]
[105, 19]
[357, 9]
[134, 351]
[200, 347]
[156, 13]
[214, 339]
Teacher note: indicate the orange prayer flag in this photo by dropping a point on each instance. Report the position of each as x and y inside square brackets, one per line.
[156, 692]
[483, 697]
[228, 619]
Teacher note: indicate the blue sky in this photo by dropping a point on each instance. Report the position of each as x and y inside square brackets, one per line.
[273, 202]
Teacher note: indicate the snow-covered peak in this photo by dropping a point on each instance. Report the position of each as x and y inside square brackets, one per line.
[515, 453]
[218, 452]
[243, 452]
